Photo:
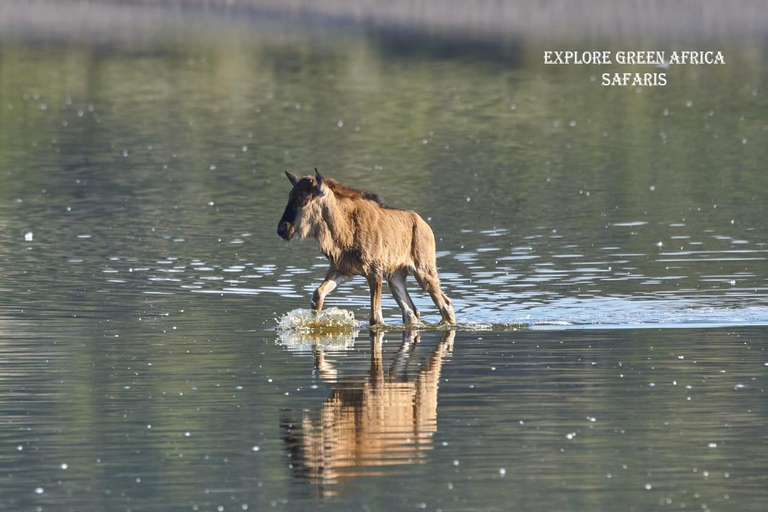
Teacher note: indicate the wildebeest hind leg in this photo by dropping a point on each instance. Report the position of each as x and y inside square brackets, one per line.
[428, 280]
[396, 282]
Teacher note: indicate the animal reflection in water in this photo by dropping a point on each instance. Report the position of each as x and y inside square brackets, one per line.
[369, 425]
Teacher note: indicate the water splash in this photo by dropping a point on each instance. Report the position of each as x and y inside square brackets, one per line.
[308, 321]
[304, 329]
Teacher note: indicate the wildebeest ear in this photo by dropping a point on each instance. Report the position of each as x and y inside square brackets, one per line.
[322, 188]
[293, 179]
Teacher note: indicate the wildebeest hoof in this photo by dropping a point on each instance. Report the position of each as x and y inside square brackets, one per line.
[410, 319]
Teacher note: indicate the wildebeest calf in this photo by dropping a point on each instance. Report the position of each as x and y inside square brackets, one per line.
[361, 236]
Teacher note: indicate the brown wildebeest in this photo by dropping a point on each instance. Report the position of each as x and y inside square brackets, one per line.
[361, 236]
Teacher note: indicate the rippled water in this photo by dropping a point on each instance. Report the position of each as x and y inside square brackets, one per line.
[141, 279]
[209, 415]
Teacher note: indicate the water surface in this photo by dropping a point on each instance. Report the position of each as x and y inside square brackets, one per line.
[140, 188]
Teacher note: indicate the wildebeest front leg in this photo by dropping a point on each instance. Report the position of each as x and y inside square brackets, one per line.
[332, 279]
[374, 281]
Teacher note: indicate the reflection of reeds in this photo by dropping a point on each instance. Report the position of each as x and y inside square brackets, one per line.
[369, 426]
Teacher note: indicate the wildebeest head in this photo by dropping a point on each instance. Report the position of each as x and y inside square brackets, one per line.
[304, 192]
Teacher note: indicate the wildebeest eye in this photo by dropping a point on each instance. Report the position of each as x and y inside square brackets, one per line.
[303, 200]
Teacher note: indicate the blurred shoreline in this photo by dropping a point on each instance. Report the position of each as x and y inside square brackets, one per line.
[490, 20]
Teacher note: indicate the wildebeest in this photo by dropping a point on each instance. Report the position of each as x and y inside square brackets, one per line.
[361, 236]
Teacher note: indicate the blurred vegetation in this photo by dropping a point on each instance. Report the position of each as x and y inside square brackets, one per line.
[138, 140]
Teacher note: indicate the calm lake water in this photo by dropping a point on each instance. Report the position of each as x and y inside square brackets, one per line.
[609, 245]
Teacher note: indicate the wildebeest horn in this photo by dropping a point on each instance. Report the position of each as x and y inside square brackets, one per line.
[320, 181]
[293, 179]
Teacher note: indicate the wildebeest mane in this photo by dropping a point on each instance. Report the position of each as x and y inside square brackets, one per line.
[341, 190]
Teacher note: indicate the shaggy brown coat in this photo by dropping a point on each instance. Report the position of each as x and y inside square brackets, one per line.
[361, 236]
